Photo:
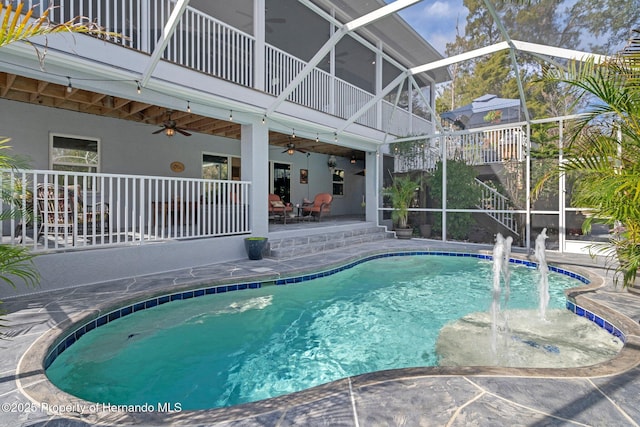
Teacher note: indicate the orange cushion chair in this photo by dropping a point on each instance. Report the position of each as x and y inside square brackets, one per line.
[277, 207]
[320, 207]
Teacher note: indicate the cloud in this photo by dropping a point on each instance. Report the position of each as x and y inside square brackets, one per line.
[442, 9]
[436, 21]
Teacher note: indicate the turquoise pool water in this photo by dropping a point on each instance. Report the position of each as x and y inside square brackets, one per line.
[225, 349]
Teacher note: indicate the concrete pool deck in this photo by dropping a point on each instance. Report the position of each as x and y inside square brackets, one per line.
[600, 395]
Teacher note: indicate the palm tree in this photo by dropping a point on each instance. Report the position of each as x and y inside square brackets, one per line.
[401, 192]
[603, 156]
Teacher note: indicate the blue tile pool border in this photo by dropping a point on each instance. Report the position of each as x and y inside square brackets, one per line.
[600, 321]
[69, 339]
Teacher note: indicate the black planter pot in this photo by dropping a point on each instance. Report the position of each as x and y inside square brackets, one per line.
[403, 233]
[255, 247]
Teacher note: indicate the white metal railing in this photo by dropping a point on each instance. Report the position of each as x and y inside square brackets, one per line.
[495, 205]
[475, 147]
[206, 44]
[399, 121]
[319, 90]
[349, 99]
[125, 17]
[90, 210]
[281, 68]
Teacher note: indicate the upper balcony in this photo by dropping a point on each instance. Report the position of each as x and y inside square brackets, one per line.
[266, 45]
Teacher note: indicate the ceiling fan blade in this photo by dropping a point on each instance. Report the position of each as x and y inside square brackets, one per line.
[301, 151]
[158, 131]
[185, 133]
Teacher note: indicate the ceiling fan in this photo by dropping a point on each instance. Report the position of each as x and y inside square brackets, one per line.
[291, 148]
[169, 127]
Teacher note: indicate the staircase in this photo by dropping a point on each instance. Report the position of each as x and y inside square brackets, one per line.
[320, 240]
[493, 200]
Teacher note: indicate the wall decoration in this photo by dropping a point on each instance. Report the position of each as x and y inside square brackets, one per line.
[177, 167]
[304, 176]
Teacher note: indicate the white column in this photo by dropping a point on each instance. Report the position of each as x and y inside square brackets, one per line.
[254, 166]
[378, 83]
[259, 54]
[371, 186]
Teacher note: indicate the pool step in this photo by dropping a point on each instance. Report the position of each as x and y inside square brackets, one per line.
[316, 241]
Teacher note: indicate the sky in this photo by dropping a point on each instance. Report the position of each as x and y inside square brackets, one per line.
[435, 20]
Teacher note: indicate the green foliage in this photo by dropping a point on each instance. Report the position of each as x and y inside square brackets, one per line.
[16, 262]
[401, 192]
[548, 22]
[407, 148]
[604, 152]
[16, 26]
[462, 193]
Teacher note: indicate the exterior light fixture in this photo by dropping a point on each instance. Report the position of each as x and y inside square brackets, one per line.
[69, 87]
[332, 162]
[188, 106]
[353, 159]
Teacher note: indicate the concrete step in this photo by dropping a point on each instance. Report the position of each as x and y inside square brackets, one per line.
[319, 241]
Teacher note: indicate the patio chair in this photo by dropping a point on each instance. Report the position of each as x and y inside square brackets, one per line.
[89, 213]
[277, 208]
[55, 211]
[61, 210]
[320, 207]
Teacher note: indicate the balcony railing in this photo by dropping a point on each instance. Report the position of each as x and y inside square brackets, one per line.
[206, 44]
[475, 147]
[70, 210]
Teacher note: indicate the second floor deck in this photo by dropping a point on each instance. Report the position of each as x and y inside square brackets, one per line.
[193, 38]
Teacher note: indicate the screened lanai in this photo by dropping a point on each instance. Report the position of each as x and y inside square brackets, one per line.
[496, 173]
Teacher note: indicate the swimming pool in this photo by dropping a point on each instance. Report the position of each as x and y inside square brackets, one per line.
[235, 347]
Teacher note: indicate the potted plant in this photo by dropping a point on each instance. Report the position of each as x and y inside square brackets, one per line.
[401, 192]
[255, 247]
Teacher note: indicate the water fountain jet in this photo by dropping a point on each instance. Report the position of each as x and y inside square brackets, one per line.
[543, 269]
[557, 341]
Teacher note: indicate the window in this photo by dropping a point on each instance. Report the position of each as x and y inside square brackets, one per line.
[215, 166]
[74, 154]
[338, 182]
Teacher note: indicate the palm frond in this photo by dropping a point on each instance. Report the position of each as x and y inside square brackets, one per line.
[16, 26]
[16, 263]
[604, 151]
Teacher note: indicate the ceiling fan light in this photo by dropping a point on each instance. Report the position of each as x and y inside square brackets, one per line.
[290, 151]
[170, 132]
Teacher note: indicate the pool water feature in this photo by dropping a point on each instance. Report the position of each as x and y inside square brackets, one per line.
[225, 349]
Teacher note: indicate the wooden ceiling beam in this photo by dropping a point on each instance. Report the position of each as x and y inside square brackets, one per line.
[25, 89]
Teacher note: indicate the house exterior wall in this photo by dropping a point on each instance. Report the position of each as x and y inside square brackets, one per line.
[125, 147]
[131, 148]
